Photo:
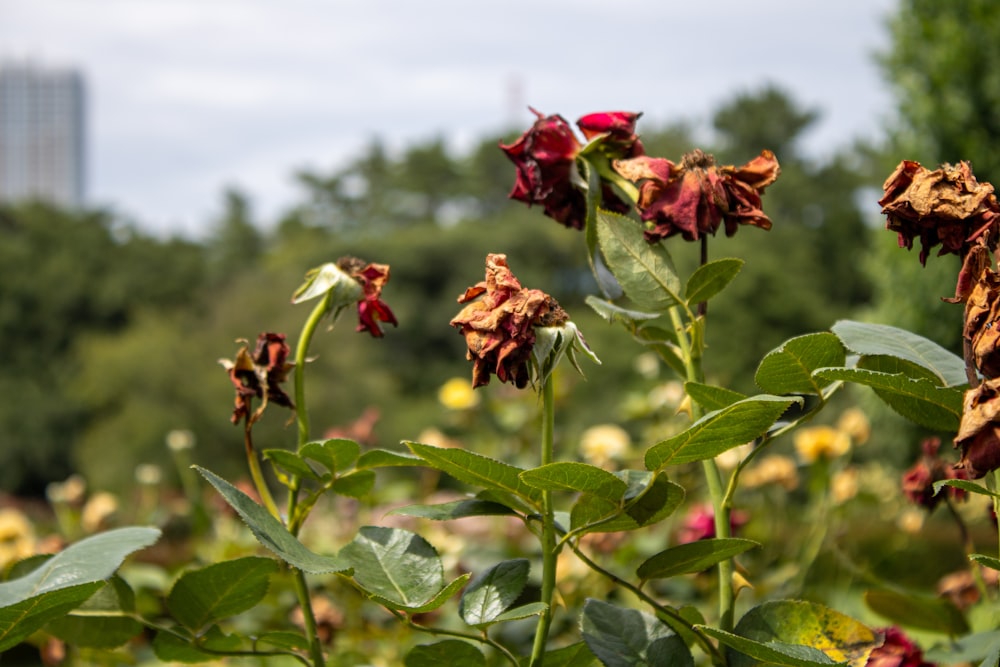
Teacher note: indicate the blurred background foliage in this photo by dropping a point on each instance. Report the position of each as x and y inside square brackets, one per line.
[110, 336]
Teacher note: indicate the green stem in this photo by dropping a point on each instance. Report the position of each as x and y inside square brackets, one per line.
[301, 412]
[255, 473]
[713, 476]
[483, 638]
[549, 548]
[308, 617]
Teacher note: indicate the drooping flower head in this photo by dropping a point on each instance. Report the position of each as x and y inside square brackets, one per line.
[947, 206]
[259, 375]
[499, 323]
[979, 430]
[694, 197]
[979, 287]
[918, 481]
[545, 157]
[351, 280]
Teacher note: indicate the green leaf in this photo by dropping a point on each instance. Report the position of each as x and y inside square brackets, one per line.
[457, 509]
[270, 532]
[991, 562]
[876, 339]
[789, 368]
[398, 568]
[336, 455]
[355, 484]
[645, 271]
[966, 650]
[383, 458]
[171, 648]
[19, 620]
[292, 641]
[613, 313]
[710, 279]
[692, 557]
[882, 363]
[574, 655]
[920, 401]
[653, 500]
[622, 637]
[290, 462]
[966, 485]
[750, 653]
[522, 611]
[201, 597]
[916, 611]
[807, 632]
[491, 593]
[719, 431]
[710, 397]
[102, 621]
[447, 652]
[575, 476]
[476, 469]
[91, 559]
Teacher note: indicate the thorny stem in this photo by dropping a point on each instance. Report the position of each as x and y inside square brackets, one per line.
[308, 617]
[704, 641]
[549, 548]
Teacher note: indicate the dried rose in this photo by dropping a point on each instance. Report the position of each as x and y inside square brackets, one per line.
[979, 431]
[259, 375]
[947, 206]
[693, 198]
[351, 280]
[982, 319]
[499, 324]
[897, 650]
[545, 159]
[918, 481]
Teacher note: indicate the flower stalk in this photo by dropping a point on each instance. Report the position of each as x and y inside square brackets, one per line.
[550, 550]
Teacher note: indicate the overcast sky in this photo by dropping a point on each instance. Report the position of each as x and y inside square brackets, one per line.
[187, 97]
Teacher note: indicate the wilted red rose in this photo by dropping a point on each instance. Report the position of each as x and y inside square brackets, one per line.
[618, 128]
[897, 650]
[544, 157]
[259, 375]
[693, 198]
[371, 308]
[979, 431]
[947, 206]
[498, 324]
[918, 481]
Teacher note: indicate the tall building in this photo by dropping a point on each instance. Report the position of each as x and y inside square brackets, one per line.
[42, 134]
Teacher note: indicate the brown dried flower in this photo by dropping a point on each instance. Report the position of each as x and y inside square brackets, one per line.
[979, 431]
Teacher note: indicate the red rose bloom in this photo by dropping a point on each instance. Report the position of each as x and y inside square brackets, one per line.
[371, 308]
[897, 650]
[692, 199]
[498, 324]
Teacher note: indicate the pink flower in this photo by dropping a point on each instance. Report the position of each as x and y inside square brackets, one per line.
[897, 650]
[699, 524]
[918, 481]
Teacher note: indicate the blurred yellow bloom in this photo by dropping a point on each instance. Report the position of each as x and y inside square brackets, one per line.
[17, 536]
[855, 423]
[98, 512]
[911, 520]
[69, 492]
[180, 439]
[844, 485]
[437, 438]
[731, 458]
[601, 444]
[774, 469]
[818, 442]
[458, 394]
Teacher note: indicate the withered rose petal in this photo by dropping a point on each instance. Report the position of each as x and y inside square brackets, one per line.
[979, 430]
[621, 123]
[758, 173]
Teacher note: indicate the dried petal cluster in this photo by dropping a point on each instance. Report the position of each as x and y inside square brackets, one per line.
[545, 158]
[693, 198]
[946, 206]
[498, 323]
[259, 375]
[918, 481]
[371, 308]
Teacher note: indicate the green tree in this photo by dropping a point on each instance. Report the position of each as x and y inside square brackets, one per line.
[944, 67]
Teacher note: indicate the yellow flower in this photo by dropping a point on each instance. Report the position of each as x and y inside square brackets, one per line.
[854, 423]
[821, 442]
[774, 469]
[98, 512]
[17, 536]
[603, 443]
[844, 485]
[458, 394]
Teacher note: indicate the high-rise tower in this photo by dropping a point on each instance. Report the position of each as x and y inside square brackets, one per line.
[42, 134]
